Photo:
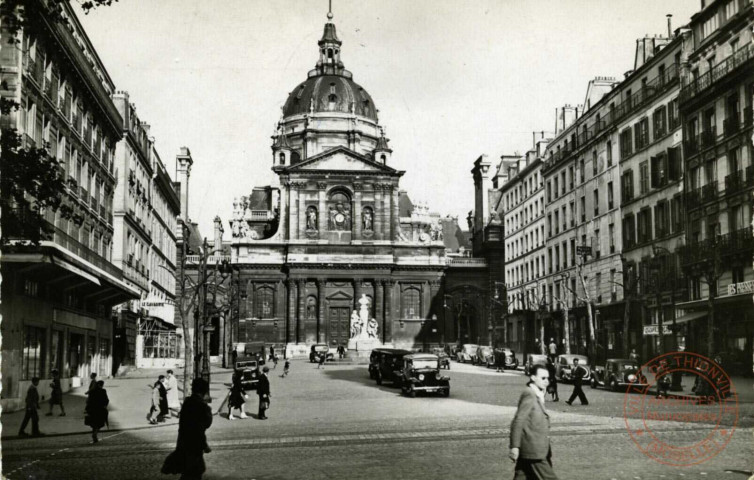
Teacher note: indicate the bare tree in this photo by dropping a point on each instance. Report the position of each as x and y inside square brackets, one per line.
[587, 300]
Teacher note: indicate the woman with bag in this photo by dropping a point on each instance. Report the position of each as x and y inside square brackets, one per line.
[237, 396]
[196, 418]
[96, 409]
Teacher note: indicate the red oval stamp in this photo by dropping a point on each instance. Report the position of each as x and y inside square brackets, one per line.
[685, 426]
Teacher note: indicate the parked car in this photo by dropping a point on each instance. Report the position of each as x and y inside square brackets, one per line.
[483, 356]
[618, 373]
[320, 349]
[386, 364]
[248, 368]
[256, 349]
[508, 357]
[534, 359]
[564, 365]
[466, 353]
[443, 357]
[421, 373]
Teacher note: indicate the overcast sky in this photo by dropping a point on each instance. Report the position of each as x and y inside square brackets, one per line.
[452, 79]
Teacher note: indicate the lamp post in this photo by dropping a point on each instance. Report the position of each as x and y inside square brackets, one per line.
[445, 298]
[504, 305]
[676, 375]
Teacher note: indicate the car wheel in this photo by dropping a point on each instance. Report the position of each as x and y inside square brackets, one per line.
[447, 392]
[614, 385]
[378, 378]
[593, 383]
[411, 391]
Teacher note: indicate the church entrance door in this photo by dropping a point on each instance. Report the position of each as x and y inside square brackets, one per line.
[339, 322]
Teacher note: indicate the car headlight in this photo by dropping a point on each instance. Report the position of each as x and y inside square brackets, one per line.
[632, 378]
[438, 376]
[421, 377]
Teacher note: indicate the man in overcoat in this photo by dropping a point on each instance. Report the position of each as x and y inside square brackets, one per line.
[530, 429]
[32, 405]
[263, 390]
[195, 419]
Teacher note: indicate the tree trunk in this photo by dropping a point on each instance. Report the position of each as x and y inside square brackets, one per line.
[626, 322]
[711, 320]
[188, 354]
[566, 327]
[541, 335]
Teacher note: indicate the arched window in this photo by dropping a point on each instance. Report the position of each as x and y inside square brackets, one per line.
[338, 212]
[281, 156]
[332, 102]
[411, 303]
[329, 53]
[383, 158]
[264, 302]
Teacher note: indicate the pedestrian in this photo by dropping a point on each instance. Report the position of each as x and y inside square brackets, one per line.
[577, 374]
[553, 349]
[552, 384]
[174, 403]
[633, 355]
[32, 405]
[499, 360]
[196, 418]
[530, 445]
[237, 397]
[538, 346]
[272, 353]
[56, 395]
[234, 355]
[663, 381]
[263, 390]
[322, 357]
[286, 369]
[274, 362]
[159, 401]
[92, 382]
[96, 409]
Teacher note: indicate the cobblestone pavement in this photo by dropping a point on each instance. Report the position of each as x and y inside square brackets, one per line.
[336, 423]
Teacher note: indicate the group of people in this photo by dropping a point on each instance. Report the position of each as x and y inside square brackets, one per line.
[96, 413]
[165, 402]
[238, 396]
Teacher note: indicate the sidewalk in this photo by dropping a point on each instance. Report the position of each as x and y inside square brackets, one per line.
[743, 386]
[130, 399]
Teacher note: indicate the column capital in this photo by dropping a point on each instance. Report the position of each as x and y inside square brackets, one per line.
[301, 281]
[357, 187]
[321, 185]
[321, 280]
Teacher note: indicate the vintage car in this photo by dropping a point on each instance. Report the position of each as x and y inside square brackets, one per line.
[256, 349]
[507, 356]
[483, 356]
[534, 359]
[618, 373]
[443, 356]
[321, 349]
[466, 352]
[385, 364]
[564, 365]
[421, 373]
[248, 368]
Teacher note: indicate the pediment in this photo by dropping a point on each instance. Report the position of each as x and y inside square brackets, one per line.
[339, 295]
[340, 159]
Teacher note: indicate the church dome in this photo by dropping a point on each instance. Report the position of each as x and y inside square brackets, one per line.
[330, 93]
[330, 87]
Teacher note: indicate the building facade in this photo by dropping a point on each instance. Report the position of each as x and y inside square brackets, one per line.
[716, 109]
[57, 296]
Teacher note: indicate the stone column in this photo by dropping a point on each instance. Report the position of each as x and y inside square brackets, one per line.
[378, 212]
[285, 206]
[301, 331]
[379, 313]
[321, 328]
[396, 220]
[302, 212]
[387, 332]
[294, 212]
[356, 293]
[322, 218]
[291, 327]
[356, 219]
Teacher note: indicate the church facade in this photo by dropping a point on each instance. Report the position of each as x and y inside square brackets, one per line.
[335, 229]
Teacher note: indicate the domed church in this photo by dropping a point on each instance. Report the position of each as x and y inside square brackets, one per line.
[334, 233]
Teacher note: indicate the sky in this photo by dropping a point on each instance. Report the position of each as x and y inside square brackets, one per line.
[452, 79]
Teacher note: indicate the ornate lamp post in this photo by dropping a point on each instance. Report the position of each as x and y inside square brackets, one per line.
[504, 305]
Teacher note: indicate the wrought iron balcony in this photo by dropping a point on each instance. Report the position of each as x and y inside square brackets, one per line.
[708, 137]
[709, 191]
[691, 146]
[731, 126]
[722, 69]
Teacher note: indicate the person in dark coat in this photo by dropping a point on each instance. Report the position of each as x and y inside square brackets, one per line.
[322, 358]
[96, 409]
[92, 382]
[263, 390]
[237, 396]
[32, 405]
[530, 445]
[578, 373]
[159, 401]
[56, 395]
[195, 419]
[552, 386]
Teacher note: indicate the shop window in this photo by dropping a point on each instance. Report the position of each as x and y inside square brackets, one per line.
[33, 354]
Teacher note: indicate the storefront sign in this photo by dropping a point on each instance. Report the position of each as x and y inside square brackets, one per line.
[655, 329]
[742, 287]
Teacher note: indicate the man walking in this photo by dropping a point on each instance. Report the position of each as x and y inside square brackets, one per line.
[174, 403]
[577, 374]
[553, 349]
[529, 437]
[32, 405]
[263, 390]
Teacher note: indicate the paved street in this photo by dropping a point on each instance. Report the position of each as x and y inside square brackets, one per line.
[341, 425]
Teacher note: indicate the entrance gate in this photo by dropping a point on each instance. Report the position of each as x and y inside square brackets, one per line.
[339, 325]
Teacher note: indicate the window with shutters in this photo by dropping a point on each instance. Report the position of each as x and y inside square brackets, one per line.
[674, 118]
[641, 134]
[674, 164]
[609, 153]
[627, 182]
[597, 243]
[629, 231]
[659, 171]
[596, 202]
[643, 178]
[661, 219]
[626, 144]
[659, 121]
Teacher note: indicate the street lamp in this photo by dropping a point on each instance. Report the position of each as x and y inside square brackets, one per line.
[504, 305]
[659, 251]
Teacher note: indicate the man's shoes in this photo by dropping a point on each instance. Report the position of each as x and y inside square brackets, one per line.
[569, 403]
[48, 414]
[62, 414]
[23, 434]
[38, 434]
[263, 418]
[556, 400]
[585, 403]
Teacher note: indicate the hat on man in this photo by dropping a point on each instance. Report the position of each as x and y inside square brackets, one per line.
[266, 369]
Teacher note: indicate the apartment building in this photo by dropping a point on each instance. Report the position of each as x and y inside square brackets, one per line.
[716, 109]
[57, 295]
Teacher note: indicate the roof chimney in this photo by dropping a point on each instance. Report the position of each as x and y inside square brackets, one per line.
[670, 25]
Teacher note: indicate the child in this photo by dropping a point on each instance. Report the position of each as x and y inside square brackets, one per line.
[286, 368]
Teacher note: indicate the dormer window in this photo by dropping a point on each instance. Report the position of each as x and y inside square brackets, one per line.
[383, 158]
[329, 53]
[281, 156]
[332, 101]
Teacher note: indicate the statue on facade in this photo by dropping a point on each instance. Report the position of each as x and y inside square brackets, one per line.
[367, 220]
[494, 218]
[236, 227]
[436, 231]
[470, 220]
[331, 218]
[311, 309]
[372, 328]
[311, 218]
[355, 324]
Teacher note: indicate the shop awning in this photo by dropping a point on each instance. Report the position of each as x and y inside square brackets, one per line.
[690, 316]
